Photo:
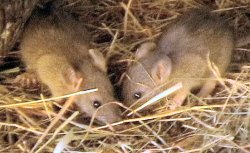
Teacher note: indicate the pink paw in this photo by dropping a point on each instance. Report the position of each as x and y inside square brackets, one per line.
[178, 99]
[173, 105]
[27, 80]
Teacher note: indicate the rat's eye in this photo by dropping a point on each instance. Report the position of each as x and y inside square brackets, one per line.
[137, 95]
[97, 104]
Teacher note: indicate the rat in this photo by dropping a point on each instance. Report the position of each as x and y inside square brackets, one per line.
[55, 48]
[184, 53]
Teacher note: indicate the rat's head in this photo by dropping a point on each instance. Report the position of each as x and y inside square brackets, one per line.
[149, 70]
[100, 104]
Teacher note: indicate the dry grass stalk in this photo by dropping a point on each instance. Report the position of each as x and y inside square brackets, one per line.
[220, 123]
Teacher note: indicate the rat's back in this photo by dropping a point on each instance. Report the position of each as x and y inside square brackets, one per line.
[54, 33]
[200, 33]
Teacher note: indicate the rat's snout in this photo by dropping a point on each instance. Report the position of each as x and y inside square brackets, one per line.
[109, 113]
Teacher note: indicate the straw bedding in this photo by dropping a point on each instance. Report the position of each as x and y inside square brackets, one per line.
[220, 123]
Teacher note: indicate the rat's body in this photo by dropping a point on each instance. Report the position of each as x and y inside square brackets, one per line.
[183, 54]
[55, 47]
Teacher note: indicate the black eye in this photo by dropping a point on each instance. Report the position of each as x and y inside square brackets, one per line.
[137, 95]
[97, 104]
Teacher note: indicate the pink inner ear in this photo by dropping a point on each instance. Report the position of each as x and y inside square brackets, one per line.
[160, 71]
[71, 77]
[99, 59]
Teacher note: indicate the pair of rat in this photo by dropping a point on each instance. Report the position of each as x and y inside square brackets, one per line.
[55, 48]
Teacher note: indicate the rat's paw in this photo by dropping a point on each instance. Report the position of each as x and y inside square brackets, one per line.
[27, 80]
[178, 99]
[174, 105]
[207, 89]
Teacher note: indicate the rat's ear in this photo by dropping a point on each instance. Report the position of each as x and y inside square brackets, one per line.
[70, 77]
[144, 49]
[161, 70]
[99, 60]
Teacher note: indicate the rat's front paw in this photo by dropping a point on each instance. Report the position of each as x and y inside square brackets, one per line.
[174, 105]
[27, 80]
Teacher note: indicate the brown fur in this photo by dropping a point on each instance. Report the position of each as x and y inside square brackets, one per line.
[56, 48]
[182, 55]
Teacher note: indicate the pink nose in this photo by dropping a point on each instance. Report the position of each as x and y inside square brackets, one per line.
[109, 119]
[109, 113]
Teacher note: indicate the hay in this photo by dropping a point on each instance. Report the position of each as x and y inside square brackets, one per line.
[220, 123]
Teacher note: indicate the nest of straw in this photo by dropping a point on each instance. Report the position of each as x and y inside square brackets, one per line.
[220, 123]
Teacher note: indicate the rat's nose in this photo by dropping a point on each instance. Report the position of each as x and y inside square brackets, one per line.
[110, 113]
[109, 119]
[113, 119]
